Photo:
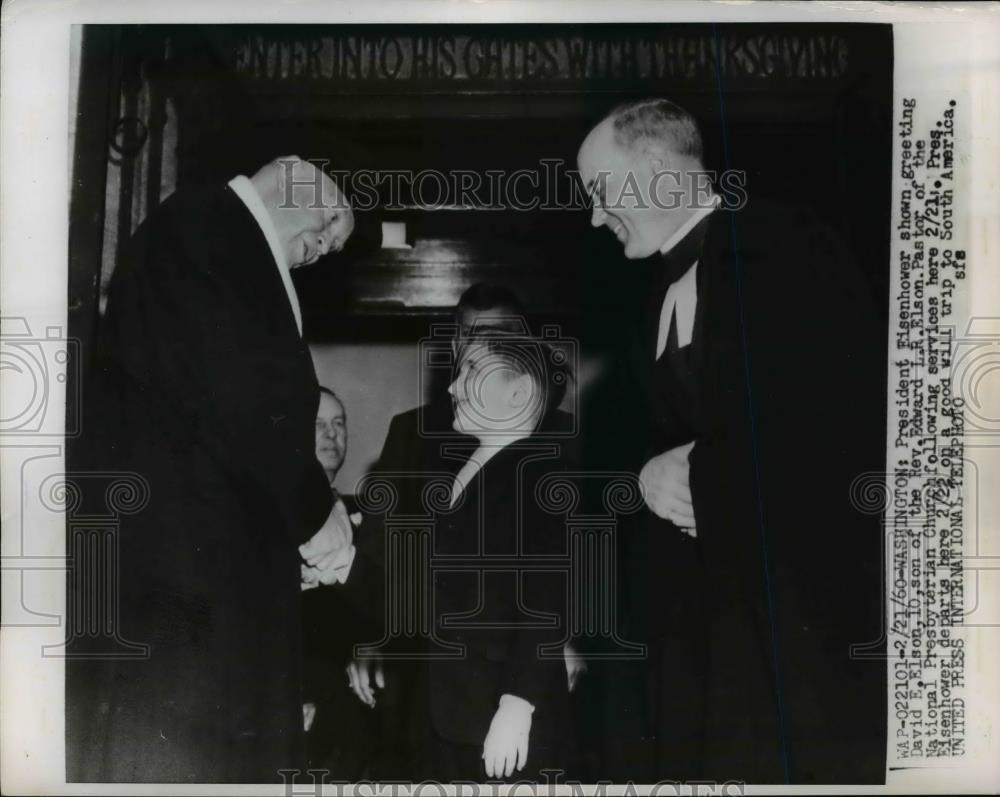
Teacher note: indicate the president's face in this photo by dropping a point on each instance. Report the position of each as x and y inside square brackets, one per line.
[324, 225]
[627, 195]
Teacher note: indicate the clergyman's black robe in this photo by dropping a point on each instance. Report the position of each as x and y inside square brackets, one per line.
[758, 668]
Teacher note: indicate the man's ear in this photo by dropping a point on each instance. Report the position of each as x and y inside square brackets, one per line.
[656, 156]
[521, 389]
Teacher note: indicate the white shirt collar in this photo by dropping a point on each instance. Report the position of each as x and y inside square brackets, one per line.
[244, 189]
[689, 225]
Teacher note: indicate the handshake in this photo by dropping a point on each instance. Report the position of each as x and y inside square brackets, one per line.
[329, 554]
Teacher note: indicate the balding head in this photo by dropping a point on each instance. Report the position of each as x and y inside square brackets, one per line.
[310, 213]
[638, 165]
[641, 122]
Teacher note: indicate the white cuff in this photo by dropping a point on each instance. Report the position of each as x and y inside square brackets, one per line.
[344, 572]
[516, 703]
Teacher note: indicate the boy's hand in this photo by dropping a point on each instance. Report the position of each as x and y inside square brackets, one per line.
[506, 744]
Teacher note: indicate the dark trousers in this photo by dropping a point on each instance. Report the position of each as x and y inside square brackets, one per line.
[353, 741]
[437, 759]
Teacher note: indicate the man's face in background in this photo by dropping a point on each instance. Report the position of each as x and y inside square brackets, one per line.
[331, 434]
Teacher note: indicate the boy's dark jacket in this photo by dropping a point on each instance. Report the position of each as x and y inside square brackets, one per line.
[492, 625]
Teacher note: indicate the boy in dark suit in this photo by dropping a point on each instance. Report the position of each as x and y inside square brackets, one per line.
[489, 698]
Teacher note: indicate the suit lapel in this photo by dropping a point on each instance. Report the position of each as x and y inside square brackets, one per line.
[260, 272]
[485, 520]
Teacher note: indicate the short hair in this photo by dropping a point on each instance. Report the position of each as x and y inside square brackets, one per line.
[537, 358]
[334, 396]
[658, 120]
[487, 296]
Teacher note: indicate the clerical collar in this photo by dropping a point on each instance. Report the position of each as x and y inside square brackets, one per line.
[689, 225]
[244, 188]
[682, 251]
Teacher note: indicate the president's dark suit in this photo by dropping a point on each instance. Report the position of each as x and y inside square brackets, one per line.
[750, 625]
[207, 392]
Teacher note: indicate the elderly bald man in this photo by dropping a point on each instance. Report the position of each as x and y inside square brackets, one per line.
[208, 392]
